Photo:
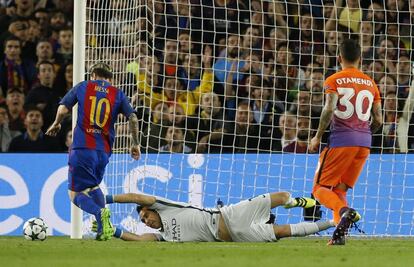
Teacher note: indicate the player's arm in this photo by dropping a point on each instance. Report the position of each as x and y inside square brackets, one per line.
[327, 113]
[134, 131]
[127, 236]
[326, 117]
[376, 114]
[61, 113]
[140, 199]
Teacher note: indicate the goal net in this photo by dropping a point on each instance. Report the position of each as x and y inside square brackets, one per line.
[229, 93]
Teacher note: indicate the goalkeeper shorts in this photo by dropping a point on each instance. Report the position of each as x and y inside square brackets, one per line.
[246, 220]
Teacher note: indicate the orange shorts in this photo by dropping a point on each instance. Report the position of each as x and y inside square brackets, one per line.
[340, 165]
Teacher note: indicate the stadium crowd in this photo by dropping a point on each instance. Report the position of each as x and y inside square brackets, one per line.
[207, 76]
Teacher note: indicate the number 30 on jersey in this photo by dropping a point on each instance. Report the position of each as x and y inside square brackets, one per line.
[346, 94]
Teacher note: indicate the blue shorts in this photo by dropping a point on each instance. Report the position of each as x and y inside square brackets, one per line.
[86, 168]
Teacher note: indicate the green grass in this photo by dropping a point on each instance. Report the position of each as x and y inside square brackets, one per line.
[306, 252]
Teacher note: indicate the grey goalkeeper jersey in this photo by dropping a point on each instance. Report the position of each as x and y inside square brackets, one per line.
[182, 222]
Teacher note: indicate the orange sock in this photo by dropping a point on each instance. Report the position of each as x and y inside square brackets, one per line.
[331, 200]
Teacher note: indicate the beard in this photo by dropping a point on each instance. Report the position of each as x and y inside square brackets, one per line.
[303, 135]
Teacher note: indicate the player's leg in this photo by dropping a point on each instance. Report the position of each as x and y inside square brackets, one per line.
[99, 198]
[301, 229]
[333, 163]
[82, 180]
[349, 215]
[285, 199]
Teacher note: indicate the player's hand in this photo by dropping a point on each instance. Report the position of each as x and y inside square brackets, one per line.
[135, 152]
[314, 144]
[53, 129]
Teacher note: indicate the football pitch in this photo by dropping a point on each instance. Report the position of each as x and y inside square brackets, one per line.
[306, 252]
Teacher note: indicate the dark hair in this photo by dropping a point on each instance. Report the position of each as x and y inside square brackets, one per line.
[45, 62]
[350, 50]
[101, 69]
[30, 108]
[12, 38]
[139, 208]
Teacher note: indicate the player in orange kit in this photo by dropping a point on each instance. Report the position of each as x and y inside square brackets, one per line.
[351, 98]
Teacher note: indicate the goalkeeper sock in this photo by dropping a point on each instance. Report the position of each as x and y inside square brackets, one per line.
[306, 228]
[87, 204]
[98, 197]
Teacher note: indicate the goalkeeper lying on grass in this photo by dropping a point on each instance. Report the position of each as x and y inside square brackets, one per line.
[242, 222]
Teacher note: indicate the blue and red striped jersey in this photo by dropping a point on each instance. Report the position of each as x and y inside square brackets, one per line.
[99, 104]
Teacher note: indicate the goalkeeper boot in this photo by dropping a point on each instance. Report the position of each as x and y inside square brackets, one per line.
[107, 227]
[304, 202]
[349, 216]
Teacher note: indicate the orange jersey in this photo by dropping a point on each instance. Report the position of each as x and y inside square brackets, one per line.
[350, 125]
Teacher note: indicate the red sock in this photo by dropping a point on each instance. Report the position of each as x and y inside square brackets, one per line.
[331, 200]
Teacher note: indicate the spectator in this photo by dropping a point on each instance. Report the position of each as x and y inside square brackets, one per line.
[300, 144]
[64, 54]
[42, 16]
[367, 40]
[33, 140]
[306, 40]
[351, 15]
[302, 105]
[376, 70]
[16, 113]
[387, 53]
[287, 127]
[181, 16]
[185, 45]
[387, 84]
[34, 30]
[276, 37]
[251, 41]
[264, 110]
[64, 79]
[171, 58]
[175, 142]
[22, 8]
[57, 21]
[44, 52]
[6, 135]
[386, 141]
[289, 78]
[14, 70]
[241, 136]
[191, 71]
[332, 38]
[45, 96]
[404, 77]
[376, 14]
[222, 18]
[223, 64]
[175, 93]
[207, 122]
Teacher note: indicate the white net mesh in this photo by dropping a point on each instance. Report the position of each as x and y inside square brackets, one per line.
[242, 82]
